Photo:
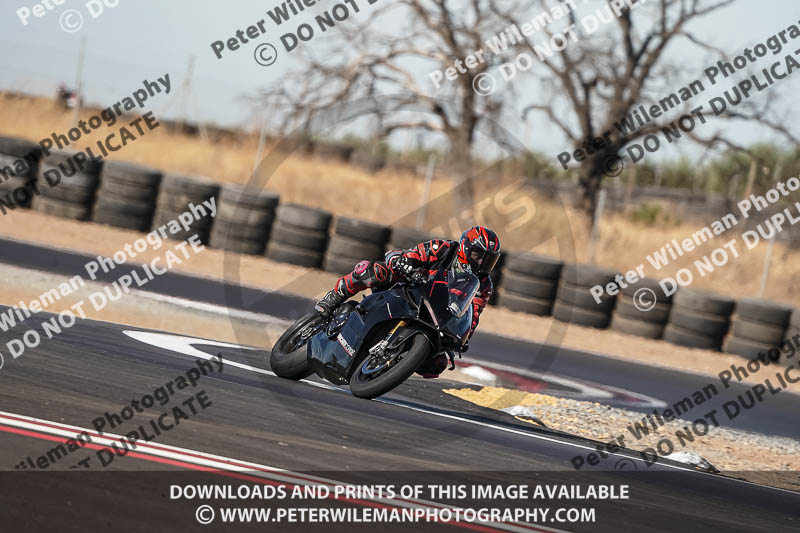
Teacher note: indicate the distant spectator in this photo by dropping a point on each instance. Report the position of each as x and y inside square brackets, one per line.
[66, 97]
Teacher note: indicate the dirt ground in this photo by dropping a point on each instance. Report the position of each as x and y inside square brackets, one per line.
[269, 275]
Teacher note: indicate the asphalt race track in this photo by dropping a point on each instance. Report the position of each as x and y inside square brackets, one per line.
[253, 423]
[776, 415]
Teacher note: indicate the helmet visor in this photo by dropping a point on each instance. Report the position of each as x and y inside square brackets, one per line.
[482, 261]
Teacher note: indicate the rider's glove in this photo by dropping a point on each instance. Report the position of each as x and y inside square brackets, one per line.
[404, 266]
[417, 276]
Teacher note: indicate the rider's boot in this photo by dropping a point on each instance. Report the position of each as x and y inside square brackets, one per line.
[328, 304]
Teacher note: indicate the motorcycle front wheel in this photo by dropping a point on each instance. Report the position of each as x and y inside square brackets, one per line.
[289, 357]
[371, 380]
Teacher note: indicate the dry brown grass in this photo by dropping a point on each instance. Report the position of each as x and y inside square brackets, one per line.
[391, 195]
[336, 186]
[625, 245]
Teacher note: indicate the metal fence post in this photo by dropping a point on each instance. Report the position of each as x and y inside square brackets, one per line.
[767, 264]
[598, 213]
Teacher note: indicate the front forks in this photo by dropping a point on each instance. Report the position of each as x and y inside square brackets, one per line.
[379, 349]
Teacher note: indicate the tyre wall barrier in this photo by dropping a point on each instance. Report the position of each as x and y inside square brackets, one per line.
[19, 162]
[253, 222]
[244, 219]
[127, 196]
[794, 328]
[354, 240]
[757, 326]
[66, 189]
[698, 319]
[575, 304]
[529, 283]
[176, 195]
[299, 236]
[642, 309]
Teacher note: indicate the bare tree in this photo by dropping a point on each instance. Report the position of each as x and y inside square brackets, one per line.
[600, 79]
[391, 53]
[583, 89]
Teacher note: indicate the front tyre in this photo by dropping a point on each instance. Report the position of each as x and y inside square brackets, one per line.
[368, 383]
[289, 357]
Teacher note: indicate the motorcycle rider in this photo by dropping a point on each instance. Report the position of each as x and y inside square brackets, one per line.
[477, 251]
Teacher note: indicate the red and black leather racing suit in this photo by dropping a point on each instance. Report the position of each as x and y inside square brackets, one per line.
[431, 255]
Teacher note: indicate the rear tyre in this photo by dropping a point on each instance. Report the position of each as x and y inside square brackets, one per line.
[289, 358]
[362, 385]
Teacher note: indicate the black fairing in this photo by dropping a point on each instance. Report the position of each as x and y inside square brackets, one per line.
[438, 308]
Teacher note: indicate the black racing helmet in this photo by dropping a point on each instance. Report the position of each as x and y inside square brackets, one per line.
[480, 249]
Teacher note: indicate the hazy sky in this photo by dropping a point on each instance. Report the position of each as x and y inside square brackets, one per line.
[147, 38]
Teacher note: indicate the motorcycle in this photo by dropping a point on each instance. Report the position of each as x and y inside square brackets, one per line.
[376, 344]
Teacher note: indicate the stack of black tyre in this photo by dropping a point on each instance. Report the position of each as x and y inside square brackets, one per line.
[496, 276]
[354, 240]
[299, 235]
[127, 196]
[575, 304]
[176, 195]
[793, 329]
[698, 319]
[642, 310]
[244, 219]
[67, 188]
[529, 283]
[757, 328]
[19, 160]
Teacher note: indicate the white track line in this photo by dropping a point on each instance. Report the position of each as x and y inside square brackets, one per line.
[212, 308]
[228, 464]
[585, 388]
[183, 345]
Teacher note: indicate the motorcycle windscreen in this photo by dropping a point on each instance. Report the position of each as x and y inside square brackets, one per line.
[462, 287]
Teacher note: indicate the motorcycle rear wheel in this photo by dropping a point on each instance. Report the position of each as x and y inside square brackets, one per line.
[363, 385]
[289, 357]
